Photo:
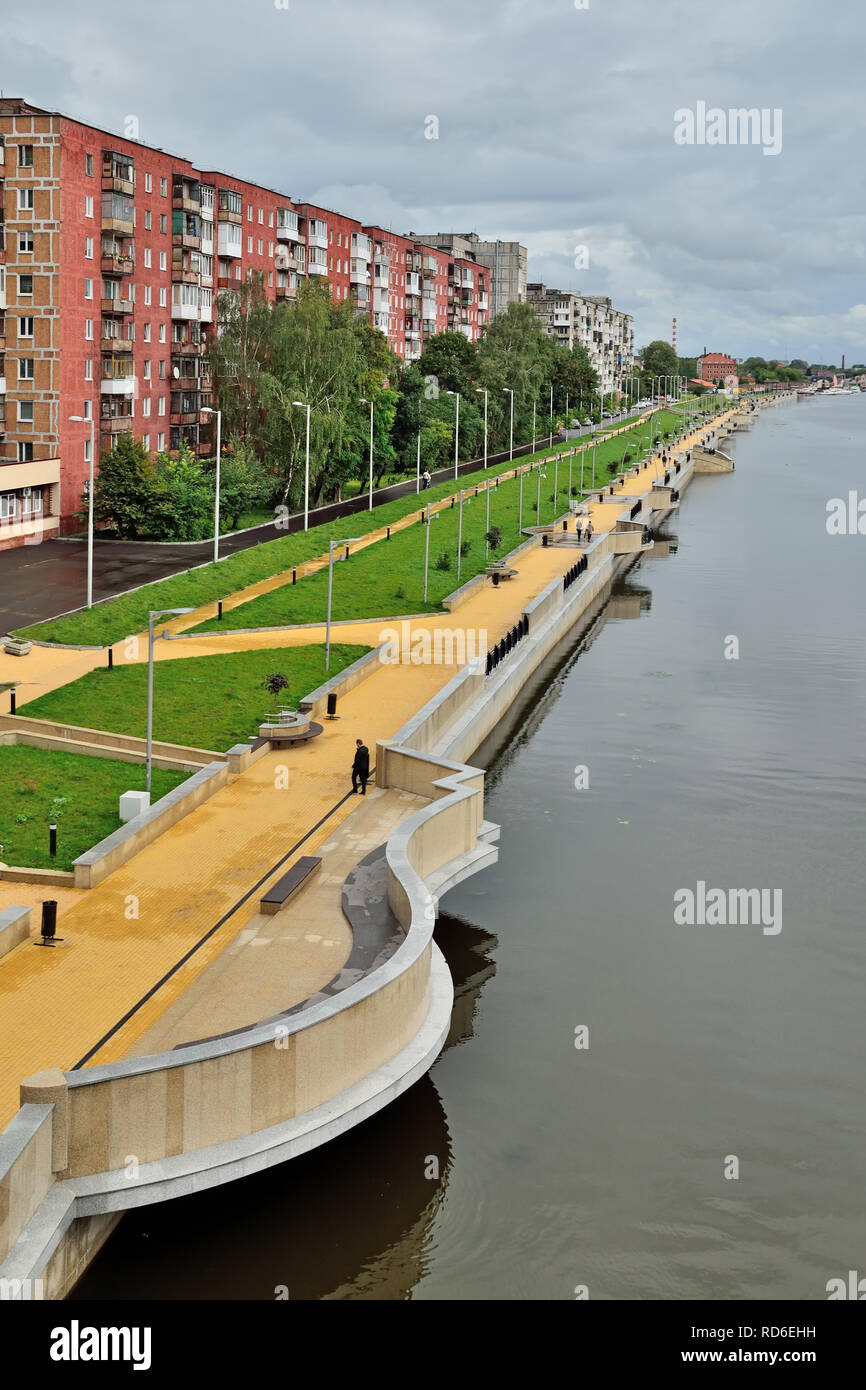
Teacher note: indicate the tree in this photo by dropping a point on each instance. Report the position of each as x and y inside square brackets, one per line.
[659, 359]
[185, 500]
[514, 355]
[125, 493]
[448, 363]
[245, 483]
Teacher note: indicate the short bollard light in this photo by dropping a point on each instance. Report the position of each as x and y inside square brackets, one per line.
[220, 609]
[52, 838]
[111, 658]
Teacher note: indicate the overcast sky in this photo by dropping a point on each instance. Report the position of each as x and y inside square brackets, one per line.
[556, 128]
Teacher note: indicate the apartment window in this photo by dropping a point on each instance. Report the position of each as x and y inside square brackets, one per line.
[25, 243]
[25, 451]
[88, 205]
[163, 223]
[162, 370]
[147, 294]
[25, 286]
[25, 368]
[261, 216]
[249, 212]
[25, 412]
[147, 369]
[160, 442]
[162, 405]
[88, 248]
[25, 156]
[330, 262]
[87, 451]
[145, 439]
[162, 332]
[88, 369]
[163, 301]
[88, 410]
[145, 407]
[147, 257]
[270, 279]
[163, 263]
[163, 188]
[249, 245]
[148, 183]
[147, 332]
[25, 200]
[88, 165]
[147, 226]
[270, 248]
[8, 505]
[25, 327]
[261, 246]
[330, 238]
[270, 219]
[88, 328]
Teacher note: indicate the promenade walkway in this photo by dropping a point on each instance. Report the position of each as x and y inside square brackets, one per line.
[127, 935]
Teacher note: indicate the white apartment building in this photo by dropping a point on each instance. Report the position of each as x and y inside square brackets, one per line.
[591, 321]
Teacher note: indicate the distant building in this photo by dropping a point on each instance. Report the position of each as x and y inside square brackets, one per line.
[505, 260]
[716, 366]
[589, 321]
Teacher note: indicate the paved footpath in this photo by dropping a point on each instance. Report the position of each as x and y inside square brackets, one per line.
[123, 936]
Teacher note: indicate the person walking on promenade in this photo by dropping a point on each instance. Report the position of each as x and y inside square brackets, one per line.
[589, 531]
[425, 477]
[361, 766]
[577, 528]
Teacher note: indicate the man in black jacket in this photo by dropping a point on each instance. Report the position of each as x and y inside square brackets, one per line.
[361, 766]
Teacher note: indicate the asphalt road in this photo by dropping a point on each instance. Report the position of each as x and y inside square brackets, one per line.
[43, 581]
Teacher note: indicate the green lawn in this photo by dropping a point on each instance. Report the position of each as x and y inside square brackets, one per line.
[81, 794]
[387, 579]
[117, 618]
[200, 701]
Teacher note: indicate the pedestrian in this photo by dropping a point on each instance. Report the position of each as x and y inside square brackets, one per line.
[589, 531]
[425, 476]
[361, 766]
[577, 528]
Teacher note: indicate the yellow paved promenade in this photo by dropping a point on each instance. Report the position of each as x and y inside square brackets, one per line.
[125, 934]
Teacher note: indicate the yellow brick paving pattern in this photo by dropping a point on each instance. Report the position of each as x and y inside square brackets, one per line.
[55, 1004]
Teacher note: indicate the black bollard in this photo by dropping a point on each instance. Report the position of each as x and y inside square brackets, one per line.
[111, 658]
[11, 701]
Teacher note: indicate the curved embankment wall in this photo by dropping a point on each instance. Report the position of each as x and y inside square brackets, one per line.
[89, 1144]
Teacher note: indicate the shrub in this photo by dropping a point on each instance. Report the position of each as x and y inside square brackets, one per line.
[465, 548]
[493, 537]
[273, 684]
[443, 561]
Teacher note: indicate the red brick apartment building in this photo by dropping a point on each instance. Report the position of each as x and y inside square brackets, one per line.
[716, 366]
[112, 257]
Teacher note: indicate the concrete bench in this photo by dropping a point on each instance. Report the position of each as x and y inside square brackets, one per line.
[291, 883]
[14, 927]
[501, 570]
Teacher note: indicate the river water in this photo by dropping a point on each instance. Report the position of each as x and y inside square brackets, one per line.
[707, 1141]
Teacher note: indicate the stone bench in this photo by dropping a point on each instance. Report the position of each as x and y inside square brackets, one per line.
[14, 927]
[501, 570]
[291, 883]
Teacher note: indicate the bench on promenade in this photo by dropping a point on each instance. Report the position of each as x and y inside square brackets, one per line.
[497, 572]
[291, 883]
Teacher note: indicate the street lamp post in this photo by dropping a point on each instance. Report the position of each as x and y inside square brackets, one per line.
[510, 392]
[154, 613]
[456, 395]
[349, 541]
[305, 406]
[459, 535]
[550, 443]
[364, 401]
[208, 410]
[82, 420]
[427, 549]
[520, 505]
[482, 391]
[418, 464]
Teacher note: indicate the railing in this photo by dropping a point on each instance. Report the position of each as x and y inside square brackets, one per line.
[506, 644]
[635, 509]
[571, 576]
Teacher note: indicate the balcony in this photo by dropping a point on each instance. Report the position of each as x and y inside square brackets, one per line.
[186, 197]
[116, 306]
[116, 264]
[287, 225]
[359, 271]
[362, 246]
[429, 327]
[226, 245]
[286, 292]
[188, 347]
[117, 385]
[116, 345]
[115, 424]
[317, 267]
[428, 308]
[413, 282]
[121, 226]
[380, 320]
[381, 301]
[118, 178]
[319, 237]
